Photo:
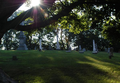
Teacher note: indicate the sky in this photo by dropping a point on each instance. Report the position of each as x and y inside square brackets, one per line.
[33, 3]
[24, 7]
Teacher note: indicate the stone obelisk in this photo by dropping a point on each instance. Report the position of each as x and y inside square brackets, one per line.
[40, 45]
[57, 45]
[94, 48]
[22, 44]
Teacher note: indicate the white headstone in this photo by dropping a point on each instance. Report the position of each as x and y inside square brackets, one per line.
[40, 44]
[57, 45]
[94, 48]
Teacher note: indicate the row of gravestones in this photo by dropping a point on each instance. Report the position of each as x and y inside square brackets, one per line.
[95, 50]
[80, 49]
[22, 45]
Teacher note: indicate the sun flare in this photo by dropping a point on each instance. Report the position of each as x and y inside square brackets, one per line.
[35, 2]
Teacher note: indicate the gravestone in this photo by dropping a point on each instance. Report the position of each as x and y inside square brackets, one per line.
[40, 45]
[108, 50]
[84, 49]
[80, 49]
[14, 58]
[111, 53]
[69, 49]
[57, 45]
[22, 40]
[94, 48]
[35, 48]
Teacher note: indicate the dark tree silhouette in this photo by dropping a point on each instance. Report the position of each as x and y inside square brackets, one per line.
[7, 7]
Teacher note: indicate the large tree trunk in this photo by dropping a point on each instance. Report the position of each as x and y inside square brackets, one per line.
[4, 78]
[1, 35]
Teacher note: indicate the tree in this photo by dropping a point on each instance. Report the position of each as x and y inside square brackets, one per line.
[10, 40]
[6, 10]
[55, 11]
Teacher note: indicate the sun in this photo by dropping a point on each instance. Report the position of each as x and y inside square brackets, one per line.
[35, 2]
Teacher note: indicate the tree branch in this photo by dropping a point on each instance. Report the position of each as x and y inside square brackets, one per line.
[64, 12]
[8, 7]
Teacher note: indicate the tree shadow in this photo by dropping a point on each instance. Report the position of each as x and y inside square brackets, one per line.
[63, 68]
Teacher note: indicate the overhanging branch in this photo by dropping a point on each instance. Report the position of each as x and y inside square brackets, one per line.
[40, 24]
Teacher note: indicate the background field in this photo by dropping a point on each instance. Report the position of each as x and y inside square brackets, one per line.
[61, 67]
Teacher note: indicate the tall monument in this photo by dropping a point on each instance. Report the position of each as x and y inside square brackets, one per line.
[57, 45]
[94, 48]
[22, 44]
[40, 45]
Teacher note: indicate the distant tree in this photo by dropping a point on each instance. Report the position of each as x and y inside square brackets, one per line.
[10, 40]
[98, 12]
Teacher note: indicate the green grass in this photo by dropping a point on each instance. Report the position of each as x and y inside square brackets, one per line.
[61, 67]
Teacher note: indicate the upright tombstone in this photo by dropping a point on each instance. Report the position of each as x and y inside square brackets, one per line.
[94, 48]
[111, 52]
[22, 40]
[108, 50]
[57, 45]
[35, 48]
[80, 49]
[69, 49]
[14, 58]
[83, 49]
[40, 45]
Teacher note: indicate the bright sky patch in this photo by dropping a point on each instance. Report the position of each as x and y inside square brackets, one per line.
[35, 2]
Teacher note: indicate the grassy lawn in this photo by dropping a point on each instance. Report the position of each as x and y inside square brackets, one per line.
[61, 67]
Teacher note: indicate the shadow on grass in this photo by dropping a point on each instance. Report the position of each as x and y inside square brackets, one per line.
[64, 73]
[58, 67]
[79, 73]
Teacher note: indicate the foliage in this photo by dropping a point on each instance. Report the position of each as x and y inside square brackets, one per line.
[10, 40]
[74, 23]
[94, 16]
[110, 28]
[75, 15]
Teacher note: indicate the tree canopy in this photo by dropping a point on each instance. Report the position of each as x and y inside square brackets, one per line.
[79, 14]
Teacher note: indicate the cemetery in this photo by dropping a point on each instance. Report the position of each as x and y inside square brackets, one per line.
[59, 41]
